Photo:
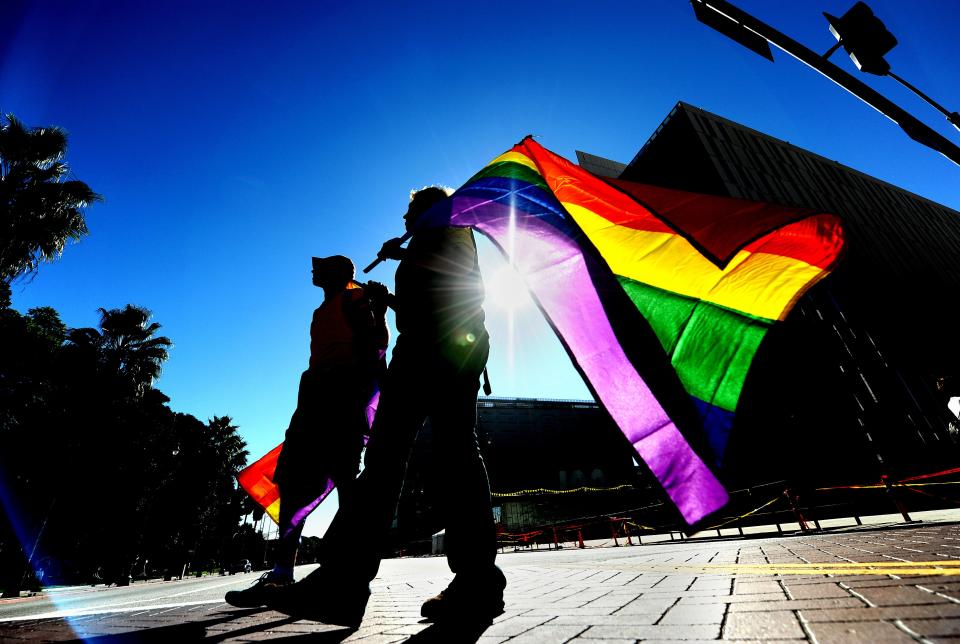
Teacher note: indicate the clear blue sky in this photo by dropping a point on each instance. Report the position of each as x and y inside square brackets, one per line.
[234, 140]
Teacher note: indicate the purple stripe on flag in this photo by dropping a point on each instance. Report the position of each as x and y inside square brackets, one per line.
[556, 272]
[302, 513]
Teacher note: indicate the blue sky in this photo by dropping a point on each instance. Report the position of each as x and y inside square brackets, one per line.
[234, 140]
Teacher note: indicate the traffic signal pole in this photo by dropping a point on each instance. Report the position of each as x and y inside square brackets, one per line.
[739, 25]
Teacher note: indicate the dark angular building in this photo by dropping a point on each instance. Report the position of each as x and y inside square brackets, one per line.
[854, 384]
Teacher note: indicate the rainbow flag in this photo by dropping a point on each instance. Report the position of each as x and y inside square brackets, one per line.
[257, 479]
[660, 297]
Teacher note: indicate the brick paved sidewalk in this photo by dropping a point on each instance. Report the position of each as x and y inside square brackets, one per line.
[892, 585]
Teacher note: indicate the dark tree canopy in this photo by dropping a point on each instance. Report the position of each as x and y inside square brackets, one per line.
[41, 208]
[116, 482]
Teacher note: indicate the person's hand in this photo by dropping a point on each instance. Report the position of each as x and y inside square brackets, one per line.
[377, 292]
[379, 296]
[392, 249]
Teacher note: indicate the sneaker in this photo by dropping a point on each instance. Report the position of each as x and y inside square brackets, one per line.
[467, 600]
[257, 594]
[320, 598]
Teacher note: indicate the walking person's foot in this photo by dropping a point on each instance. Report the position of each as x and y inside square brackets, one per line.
[322, 598]
[478, 598]
[258, 594]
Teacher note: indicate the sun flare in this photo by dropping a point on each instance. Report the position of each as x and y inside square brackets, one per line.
[506, 290]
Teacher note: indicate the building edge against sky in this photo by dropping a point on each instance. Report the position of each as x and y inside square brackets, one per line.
[853, 386]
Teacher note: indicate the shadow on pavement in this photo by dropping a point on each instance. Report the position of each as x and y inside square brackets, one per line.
[197, 631]
[445, 632]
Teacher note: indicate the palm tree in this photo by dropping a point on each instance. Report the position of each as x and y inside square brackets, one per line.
[227, 443]
[126, 346]
[40, 210]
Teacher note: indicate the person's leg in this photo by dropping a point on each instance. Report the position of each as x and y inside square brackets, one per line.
[337, 592]
[299, 477]
[354, 541]
[299, 484]
[470, 540]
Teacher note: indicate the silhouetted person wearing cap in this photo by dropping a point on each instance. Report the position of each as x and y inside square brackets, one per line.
[434, 372]
[348, 343]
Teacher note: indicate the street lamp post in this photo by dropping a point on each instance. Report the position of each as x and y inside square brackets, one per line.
[864, 41]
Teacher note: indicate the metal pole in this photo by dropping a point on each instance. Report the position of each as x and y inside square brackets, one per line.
[952, 117]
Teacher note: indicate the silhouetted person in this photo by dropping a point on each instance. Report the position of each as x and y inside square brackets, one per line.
[434, 372]
[348, 342]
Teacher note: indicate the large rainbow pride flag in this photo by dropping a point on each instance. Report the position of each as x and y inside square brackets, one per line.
[660, 297]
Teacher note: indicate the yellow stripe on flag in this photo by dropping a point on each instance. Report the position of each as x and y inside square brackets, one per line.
[516, 157]
[759, 284]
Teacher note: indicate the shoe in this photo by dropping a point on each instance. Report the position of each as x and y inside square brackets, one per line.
[466, 599]
[320, 598]
[257, 594]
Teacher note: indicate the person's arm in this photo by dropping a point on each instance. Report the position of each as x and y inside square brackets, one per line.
[380, 298]
[393, 249]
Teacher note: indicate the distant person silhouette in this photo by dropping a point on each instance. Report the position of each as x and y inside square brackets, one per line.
[348, 343]
[434, 372]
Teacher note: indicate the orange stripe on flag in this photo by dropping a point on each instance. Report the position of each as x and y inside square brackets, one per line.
[257, 480]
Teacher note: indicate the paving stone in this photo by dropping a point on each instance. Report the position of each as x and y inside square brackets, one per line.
[734, 599]
[645, 606]
[585, 611]
[859, 633]
[797, 604]
[516, 625]
[763, 626]
[549, 634]
[606, 620]
[899, 596]
[612, 603]
[755, 587]
[711, 583]
[697, 614]
[816, 591]
[699, 631]
[928, 611]
[934, 627]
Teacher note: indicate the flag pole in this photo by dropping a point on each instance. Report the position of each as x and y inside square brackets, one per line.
[379, 259]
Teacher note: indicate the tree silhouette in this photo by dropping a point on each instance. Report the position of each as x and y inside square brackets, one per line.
[40, 209]
[125, 346]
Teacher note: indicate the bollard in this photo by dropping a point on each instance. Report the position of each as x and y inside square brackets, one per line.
[580, 538]
[896, 499]
[796, 509]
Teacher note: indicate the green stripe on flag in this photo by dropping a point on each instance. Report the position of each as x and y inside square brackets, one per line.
[711, 347]
[511, 170]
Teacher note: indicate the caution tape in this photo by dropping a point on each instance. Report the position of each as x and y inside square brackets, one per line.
[930, 476]
[935, 496]
[744, 516]
[881, 486]
[639, 526]
[542, 490]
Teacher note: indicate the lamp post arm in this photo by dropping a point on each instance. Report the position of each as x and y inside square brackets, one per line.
[952, 117]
